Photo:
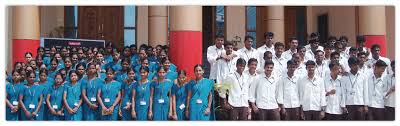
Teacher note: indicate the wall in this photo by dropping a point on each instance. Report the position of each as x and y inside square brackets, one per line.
[51, 17]
[390, 32]
[9, 39]
[142, 36]
[235, 20]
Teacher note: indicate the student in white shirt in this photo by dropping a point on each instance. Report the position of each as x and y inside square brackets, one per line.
[288, 93]
[279, 60]
[364, 67]
[263, 94]
[353, 53]
[376, 55]
[355, 89]
[300, 67]
[321, 65]
[253, 75]
[335, 96]
[339, 48]
[313, 37]
[238, 98]
[267, 56]
[376, 92]
[214, 54]
[226, 65]
[390, 98]
[268, 46]
[345, 42]
[247, 51]
[294, 43]
[314, 44]
[328, 49]
[312, 94]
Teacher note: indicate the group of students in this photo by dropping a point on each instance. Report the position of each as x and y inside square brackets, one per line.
[333, 82]
[99, 84]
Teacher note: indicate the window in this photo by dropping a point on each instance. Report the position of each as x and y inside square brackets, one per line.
[71, 22]
[219, 20]
[129, 25]
[251, 23]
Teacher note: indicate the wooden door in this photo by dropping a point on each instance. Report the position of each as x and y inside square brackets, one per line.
[104, 23]
[295, 24]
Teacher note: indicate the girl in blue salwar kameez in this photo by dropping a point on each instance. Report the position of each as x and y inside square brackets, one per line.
[72, 98]
[109, 96]
[141, 96]
[90, 85]
[161, 95]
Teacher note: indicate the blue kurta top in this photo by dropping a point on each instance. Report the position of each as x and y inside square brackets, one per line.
[13, 91]
[199, 100]
[161, 99]
[180, 98]
[116, 66]
[142, 100]
[110, 91]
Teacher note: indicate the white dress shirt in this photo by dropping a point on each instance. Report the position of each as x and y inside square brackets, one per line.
[263, 92]
[252, 77]
[335, 102]
[308, 47]
[224, 68]
[312, 93]
[309, 55]
[279, 65]
[246, 54]
[390, 100]
[376, 91]
[365, 70]
[288, 91]
[261, 50]
[355, 88]
[301, 71]
[322, 70]
[371, 62]
[288, 54]
[239, 91]
[212, 54]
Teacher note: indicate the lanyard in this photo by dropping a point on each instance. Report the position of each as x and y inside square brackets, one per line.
[199, 86]
[278, 60]
[56, 93]
[291, 80]
[30, 93]
[93, 86]
[160, 87]
[270, 81]
[240, 84]
[143, 87]
[74, 90]
[108, 90]
[353, 83]
[375, 83]
[312, 81]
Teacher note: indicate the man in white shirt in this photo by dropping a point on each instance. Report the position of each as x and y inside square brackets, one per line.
[293, 48]
[313, 37]
[364, 67]
[335, 105]
[267, 56]
[328, 49]
[253, 75]
[355, 89]
[288, 93]
[312, 94]
[314, 44]
[353, 53]
[226, 65]
[376, 92]
[247, 51]
[322, 68]
[238, 94]
[214, 53]
[268, 46]
[390, 98]
[345, 42]
[339, 48]
[279, 60]
[263, 94]
[300, 67]
[376, 55]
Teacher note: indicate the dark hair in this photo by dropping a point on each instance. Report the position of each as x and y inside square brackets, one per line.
[353, 61]
[344, 38]
[126, 59]
[373, 47]
[28, 53]
[328, 46]
[59, 74]
[54, 59]
[310, 62]
[279, 44]
[43, 71]
[165, 59]
[318, 51]
[145, 68]
[360, 39]
[80, 64]
[129, 70]
[290, 62]
[292, 38]
[314, 34]
[72, 71]
[240, 61]
[110, 70]
[334, 53]
[252, 60]
[361, 53]
[198, 65]
[181, 72]
[247, 37]
[268, 62]
[219, 36]
[161, 68]
[332, 64]
[40, 48]
[300, 47]
[268, 34]
[332, 38]
[380, 63]
[352, 49]
[227, 43]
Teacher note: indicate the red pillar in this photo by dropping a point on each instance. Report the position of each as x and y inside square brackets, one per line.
[26, 32]
[186, 37]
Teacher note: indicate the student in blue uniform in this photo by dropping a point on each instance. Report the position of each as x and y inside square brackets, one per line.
[115, 64]
[80, 70]
[199, 97]
[126, 91]
[179, 95]
[109, 96]
[120, 76]
[171, 75]
[141, 96]
[90, 85]
[45, 84]
[54, 99]
[30, 100]
[72, 98]
[144, 63]
[160, 92]
[13, 89]
[53, 69]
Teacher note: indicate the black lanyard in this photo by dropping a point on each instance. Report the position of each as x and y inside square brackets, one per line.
[240, 84]
[353, 83]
